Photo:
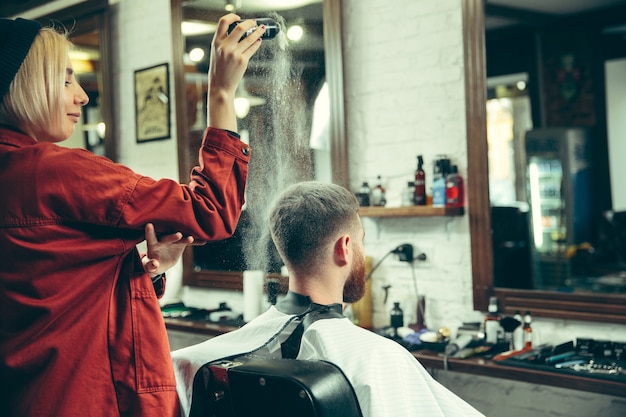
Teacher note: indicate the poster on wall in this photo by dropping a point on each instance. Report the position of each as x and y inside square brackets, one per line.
[152, 104]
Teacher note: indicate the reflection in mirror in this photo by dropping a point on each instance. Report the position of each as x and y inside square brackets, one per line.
[552, 248]
[91, 131]
[283, 112]
[549, 185]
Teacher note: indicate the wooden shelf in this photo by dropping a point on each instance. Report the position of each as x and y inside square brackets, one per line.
[412, 211]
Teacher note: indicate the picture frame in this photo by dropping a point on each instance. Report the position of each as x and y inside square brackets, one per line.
[152, 103]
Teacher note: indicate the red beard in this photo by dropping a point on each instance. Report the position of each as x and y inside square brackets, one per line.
[354, 288]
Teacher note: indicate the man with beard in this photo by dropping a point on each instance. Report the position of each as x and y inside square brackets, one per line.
[318, 233]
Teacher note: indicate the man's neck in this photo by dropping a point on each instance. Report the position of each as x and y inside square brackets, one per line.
[295, 303]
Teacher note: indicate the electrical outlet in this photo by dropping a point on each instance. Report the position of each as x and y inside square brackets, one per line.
[423, 257]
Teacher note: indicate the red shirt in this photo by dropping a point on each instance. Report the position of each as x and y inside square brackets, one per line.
[81, 331]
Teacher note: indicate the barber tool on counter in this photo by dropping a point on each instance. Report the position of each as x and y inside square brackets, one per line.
[594, 358]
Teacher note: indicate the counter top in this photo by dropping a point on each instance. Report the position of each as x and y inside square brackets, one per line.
[480, 366]
[476, 366]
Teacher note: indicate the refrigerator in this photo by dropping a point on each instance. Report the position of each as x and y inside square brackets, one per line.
[558, 186]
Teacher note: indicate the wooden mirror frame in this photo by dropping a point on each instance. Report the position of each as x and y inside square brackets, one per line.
[589, 307]
[333, 51]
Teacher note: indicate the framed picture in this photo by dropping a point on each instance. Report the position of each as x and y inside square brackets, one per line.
[152, 103]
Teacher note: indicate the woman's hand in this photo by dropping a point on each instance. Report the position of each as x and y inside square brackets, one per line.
[163, 254]
[229, 60]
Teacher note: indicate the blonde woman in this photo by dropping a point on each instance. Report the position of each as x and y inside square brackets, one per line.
[81, 332]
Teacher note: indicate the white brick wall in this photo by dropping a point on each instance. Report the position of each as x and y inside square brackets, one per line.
[405, 96]
[142, 31]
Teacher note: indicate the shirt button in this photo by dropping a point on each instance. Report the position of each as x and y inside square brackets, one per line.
[245, 150]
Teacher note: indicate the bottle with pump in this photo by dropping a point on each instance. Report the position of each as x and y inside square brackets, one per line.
[419, 194]
[518, 333]
[492, 322]
[455, 189]
[528, 331]
[378, 193]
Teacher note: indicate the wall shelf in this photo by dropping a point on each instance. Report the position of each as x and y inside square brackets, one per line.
[412, 211]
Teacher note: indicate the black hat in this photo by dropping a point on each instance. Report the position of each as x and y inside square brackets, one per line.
[16, 37]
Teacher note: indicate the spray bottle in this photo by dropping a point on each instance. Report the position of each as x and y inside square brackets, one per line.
[272, 28]
[419, 195]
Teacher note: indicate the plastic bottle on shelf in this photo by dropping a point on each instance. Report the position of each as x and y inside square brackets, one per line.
[364, 194]
[455, 189]
[440, 171]
[378, 193]
[492, 321]
[408, 194]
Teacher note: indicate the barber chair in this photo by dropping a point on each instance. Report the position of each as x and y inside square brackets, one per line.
[259, 385]
[248, 386]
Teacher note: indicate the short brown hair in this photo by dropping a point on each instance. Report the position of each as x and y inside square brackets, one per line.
[307, 216]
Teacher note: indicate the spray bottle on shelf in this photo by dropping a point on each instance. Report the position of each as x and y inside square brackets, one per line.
[419, 194]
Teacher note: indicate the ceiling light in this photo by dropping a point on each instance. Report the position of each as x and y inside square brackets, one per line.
[295, 33]
[196, 54]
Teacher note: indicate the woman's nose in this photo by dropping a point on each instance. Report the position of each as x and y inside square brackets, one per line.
[82, 98]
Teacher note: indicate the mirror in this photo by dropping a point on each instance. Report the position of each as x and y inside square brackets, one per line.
[88, 23]
[548, 301]
[314, 66]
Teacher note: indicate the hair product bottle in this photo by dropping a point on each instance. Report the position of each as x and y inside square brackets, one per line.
[455, 189]
[419, 195]
[378, 193]
[528, 331]
[364, 194]
[408, 194]
[492, 322]
[440, 171]
[396, 316]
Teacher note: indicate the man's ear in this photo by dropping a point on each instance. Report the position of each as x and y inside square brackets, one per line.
[341, 250]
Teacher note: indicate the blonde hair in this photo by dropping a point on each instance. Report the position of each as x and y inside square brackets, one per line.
[35, 98]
